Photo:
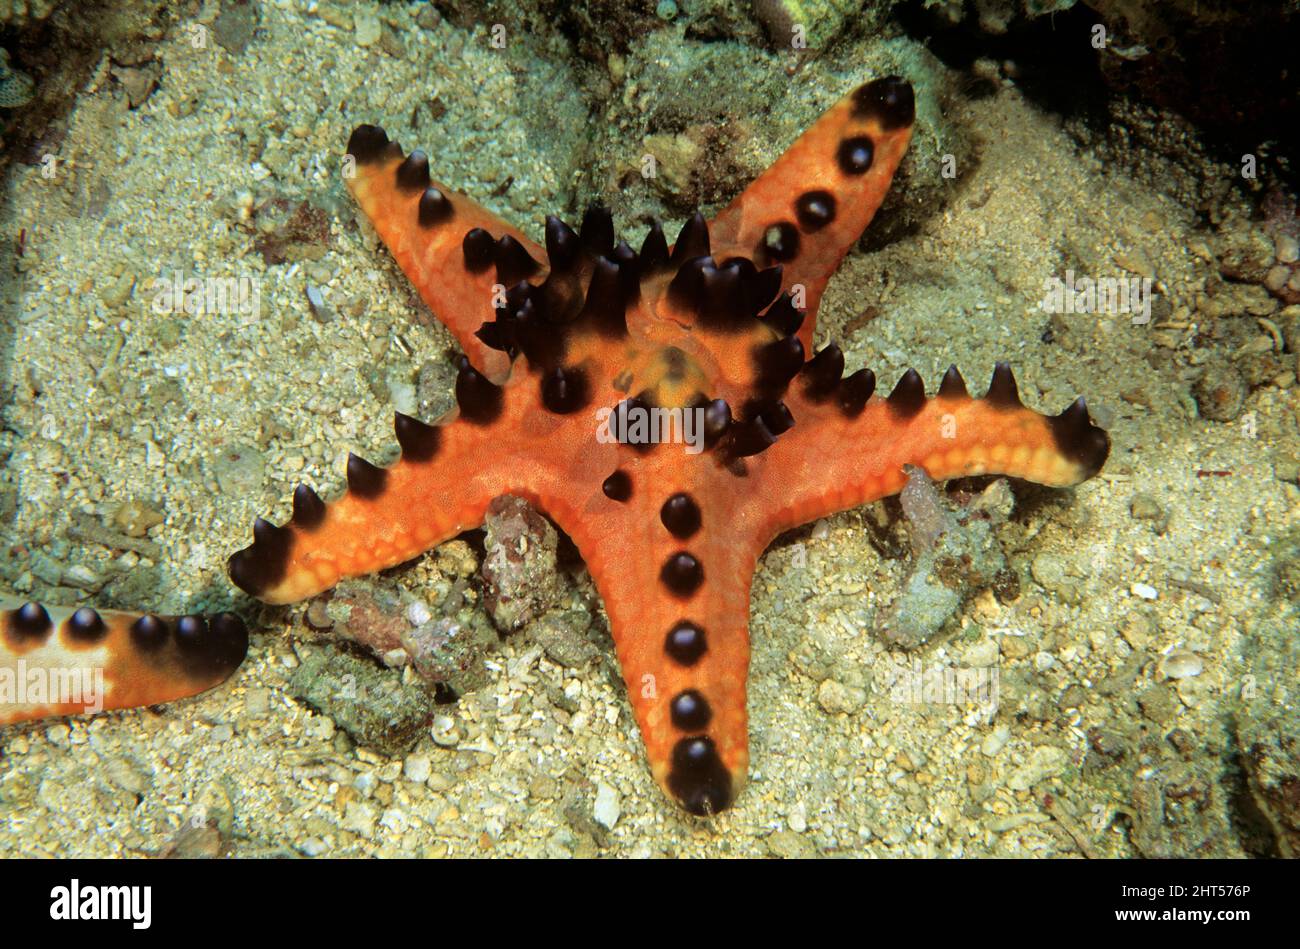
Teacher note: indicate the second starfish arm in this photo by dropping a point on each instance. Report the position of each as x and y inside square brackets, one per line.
[831, 461]
[808, 209]
[447, 476]
[424, 224]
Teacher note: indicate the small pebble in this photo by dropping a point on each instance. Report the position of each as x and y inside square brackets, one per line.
[257, 701]
[1144, 590]
[1144, 507]
[320, 310]
[127, 774]
[418, 613]
[1044, 762]
[312, 847]
[444, 732]
[1180, 665]
[837, 698]
[607, 808]
[1287, 249]
[995, 741]
[417, 768]
[136, 518]
[368, 28]
[82, 577]
[981, 654]
[1137, 630]
[359, 818]
[1220, 392]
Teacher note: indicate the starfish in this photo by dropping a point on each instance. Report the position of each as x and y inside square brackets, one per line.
[575, 352]
[570, 348]
[57, 662]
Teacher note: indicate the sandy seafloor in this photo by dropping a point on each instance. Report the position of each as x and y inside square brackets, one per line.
[112, 402]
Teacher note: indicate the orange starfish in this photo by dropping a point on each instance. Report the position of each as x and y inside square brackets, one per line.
[587, 337]
[56, 662]
[570, 351]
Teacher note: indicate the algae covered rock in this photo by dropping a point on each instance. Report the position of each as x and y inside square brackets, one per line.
[955, 556]
[373, 705]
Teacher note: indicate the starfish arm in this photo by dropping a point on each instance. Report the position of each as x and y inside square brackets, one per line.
[56, 662]
[453, 250]
[674, 570]
[834, 459]
[444, 481]
[809, 208]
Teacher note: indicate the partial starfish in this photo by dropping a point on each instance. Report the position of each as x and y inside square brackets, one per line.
[720, 323]
[56, 661]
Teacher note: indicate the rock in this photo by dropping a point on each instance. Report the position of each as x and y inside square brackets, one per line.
[1045, 761]
[127, 774]
[1144, 591]
[368, 28]
[519, 574]
[607, 808]
[312, 847]
[1050, 571]
[417, 768]
[428, 18]
[319, 727]
[83, 578]
[1158, 704]
[137, 83]
[1220, 392]
[46, 569]
[1180, 665]
[995, 741]
[321, 311]
[839, 699]
[1144, 507]
[981, 654]
[371, 704]
[1137, 630]
[234, 27]
[359, 817]
[1074, 696]
[563, 635]
[1244, 252]
[194, 841]
[257, 701]
[136, 518]
[790, 846]
[955, 557]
